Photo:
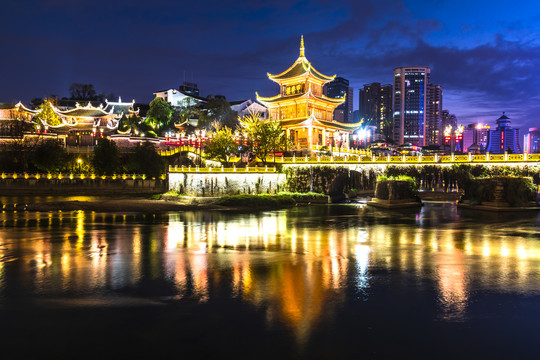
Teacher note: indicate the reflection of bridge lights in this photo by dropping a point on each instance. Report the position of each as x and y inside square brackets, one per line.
[362, 236]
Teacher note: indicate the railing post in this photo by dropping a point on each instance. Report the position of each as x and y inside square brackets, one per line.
[420, 158]
[373, 158]
[525, 156]
[470, 156]
[452, 157]
[506, 156]
[387, 158]
[403, 158]
[436, 158]
[487, 156]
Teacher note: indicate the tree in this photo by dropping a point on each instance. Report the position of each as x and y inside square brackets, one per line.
[264, 136]
[106, 159]
[221, 146]
[217, 109]
[188, 109]
[47, 114]
[50, 156]
[82, 92]
[20, 130]
[159, 114]
[147, 161]
[133, 124]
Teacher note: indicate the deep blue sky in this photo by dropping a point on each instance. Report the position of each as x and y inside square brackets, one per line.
[485, 54]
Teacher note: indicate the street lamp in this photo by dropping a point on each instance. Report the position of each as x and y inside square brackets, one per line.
[79, 163]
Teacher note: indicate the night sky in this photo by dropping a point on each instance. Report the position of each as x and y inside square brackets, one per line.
[485, 54]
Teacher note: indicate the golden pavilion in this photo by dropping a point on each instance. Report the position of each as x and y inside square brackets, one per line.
[306, 114]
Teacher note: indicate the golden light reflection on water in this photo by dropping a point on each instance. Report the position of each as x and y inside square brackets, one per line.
[295, 266]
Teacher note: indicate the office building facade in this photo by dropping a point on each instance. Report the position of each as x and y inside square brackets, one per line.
[434, 129]
[337, 89]
[504, 138]
[375, 108]
[531, 141]
[410, 105]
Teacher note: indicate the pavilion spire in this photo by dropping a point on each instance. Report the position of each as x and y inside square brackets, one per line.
[302, 49]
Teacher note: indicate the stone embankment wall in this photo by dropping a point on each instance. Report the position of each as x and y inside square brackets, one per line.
[212, 184]
[67, 186]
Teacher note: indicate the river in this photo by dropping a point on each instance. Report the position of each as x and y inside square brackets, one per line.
[320, 282]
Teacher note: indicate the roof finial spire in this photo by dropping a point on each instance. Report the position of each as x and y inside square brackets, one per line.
[302, 50]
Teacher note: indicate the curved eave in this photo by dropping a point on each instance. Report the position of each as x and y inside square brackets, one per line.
[340, 125]
[20, 105]
[337, 101]
[279, 98]
[312, 121]
[282, 99]
[301, 67]
[73, 112]
[320, 76]
[127, 132]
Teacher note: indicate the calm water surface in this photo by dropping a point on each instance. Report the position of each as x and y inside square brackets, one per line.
[324, 282]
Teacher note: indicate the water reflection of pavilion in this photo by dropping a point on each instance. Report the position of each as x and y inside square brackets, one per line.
[296, 267]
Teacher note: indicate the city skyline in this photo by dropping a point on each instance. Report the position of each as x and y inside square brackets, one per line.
[483, 56]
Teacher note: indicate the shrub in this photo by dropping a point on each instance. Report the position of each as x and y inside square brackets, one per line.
[260, 201]
[396, 187]
[517, 191]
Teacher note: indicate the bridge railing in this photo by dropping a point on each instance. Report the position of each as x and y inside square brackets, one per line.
[392, 159]
[72, 176]
[196, 169]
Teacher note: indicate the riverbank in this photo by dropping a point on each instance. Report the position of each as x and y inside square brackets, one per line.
[164, 204]
[168, 202]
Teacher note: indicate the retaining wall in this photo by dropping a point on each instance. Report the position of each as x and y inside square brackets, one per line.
[217, 184]
[67, 186]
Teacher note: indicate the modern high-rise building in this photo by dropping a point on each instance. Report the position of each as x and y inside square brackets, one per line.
[475, 138]
[504, 138]
[448, 120]
[434, 135]
[375, 107]
[531, 141]
[410, 105]
[337, 89]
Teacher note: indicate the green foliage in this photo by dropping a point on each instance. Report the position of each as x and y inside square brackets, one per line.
[47, 114]
[188, 109]
[257, 201]
[146, 160]
[221, 146]
[413, 182]
[132, 124]
[159, 115]
[264, 136]
[217, 110]
[323, 179]
[50, 157]
[517, 191]
[396, 188]
[106, 159]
